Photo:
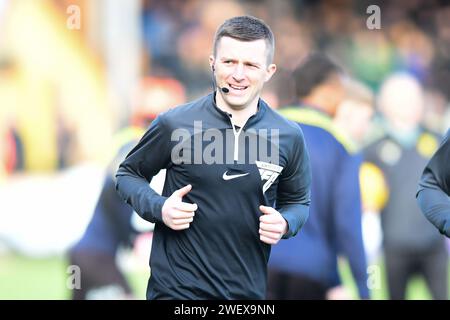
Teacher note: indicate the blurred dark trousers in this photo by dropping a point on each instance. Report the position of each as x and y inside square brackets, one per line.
[402, 265]
[98, 272]
[287, 286]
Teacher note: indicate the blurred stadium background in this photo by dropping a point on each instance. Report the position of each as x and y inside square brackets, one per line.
[68, 74]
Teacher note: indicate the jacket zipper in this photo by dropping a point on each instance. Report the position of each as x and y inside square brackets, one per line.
[236, 136]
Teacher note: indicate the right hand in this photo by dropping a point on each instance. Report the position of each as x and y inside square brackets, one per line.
[177, 214]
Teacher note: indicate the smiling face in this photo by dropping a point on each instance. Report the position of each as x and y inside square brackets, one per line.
[241, 67]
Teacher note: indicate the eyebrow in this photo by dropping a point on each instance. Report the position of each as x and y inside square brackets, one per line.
[245, 62]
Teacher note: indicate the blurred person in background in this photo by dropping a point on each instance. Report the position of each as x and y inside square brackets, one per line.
[370, 55]
[414, 48]
[280, 91]
[8, 152]
[217, 219]
[354, 113]
[111, 227]
[434, 188]
[11, 150]
[334, 226]
[411, 245]
[353, 117]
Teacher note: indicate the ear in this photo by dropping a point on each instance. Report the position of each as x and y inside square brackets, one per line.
[211, 62]
[270, 71]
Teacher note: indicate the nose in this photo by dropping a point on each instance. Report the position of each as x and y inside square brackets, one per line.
[238, 73]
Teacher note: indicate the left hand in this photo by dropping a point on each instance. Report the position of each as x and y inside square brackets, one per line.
[272, 225]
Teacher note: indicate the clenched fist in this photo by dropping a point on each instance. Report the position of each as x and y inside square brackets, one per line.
[272, 225]
[177, 214]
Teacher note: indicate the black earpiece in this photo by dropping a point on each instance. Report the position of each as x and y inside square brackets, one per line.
[224, 90]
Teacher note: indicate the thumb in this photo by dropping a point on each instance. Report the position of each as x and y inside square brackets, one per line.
[266, 210]
[183, 191]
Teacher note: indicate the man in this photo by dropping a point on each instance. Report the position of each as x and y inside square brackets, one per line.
[334, 226]
[112, 225]
[353, 116]
[229, 159]
[411, 246]
[354, 113]
[434, 188]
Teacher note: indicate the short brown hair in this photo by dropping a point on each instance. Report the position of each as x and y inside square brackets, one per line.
[246, 28]
[358, 91]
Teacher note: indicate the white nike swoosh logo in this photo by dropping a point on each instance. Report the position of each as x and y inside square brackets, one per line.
[227, 177]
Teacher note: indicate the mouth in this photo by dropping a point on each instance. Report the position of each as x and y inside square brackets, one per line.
[237, 87]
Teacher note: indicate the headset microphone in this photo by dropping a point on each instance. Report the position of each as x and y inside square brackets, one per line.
[223, 89]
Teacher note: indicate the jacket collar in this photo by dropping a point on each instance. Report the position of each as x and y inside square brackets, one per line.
[262, 108]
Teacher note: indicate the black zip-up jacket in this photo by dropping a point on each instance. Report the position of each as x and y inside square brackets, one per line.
[220, 256]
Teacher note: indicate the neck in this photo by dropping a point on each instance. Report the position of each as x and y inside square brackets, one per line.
[239, 116]
[318, 103]
[402, 127]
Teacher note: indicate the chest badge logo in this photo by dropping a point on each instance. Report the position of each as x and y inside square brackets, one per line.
[269, 172]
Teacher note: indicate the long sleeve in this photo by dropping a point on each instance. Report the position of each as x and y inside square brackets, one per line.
[347, 220]
[150, 155]
[434, 188]
[293, 196]
[435, 205]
